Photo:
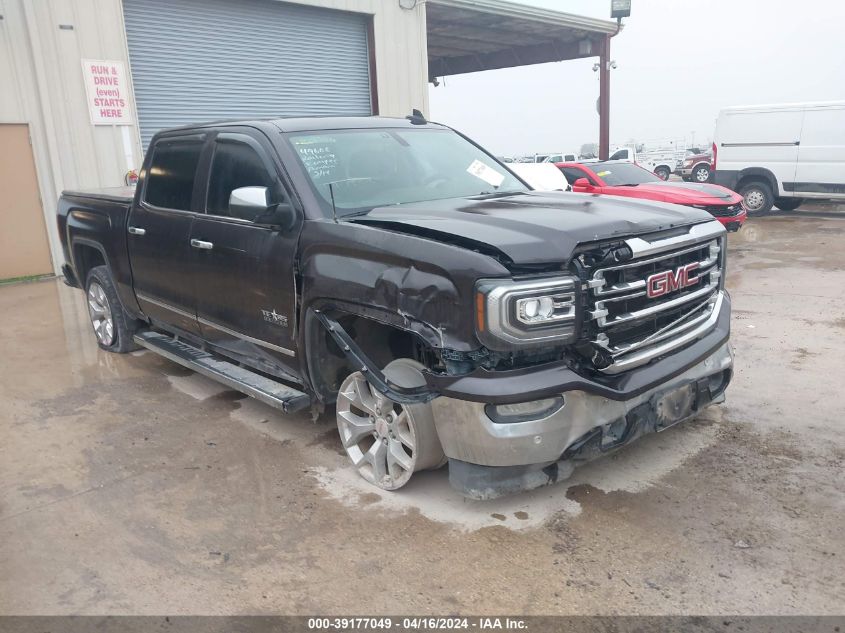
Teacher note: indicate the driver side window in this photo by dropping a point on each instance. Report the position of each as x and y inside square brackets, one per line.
[234, 165]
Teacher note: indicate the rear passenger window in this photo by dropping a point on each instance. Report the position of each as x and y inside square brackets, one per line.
[170, 183]
[234, 165]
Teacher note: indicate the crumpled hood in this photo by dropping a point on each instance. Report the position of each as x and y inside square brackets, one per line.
[534, 227]
[690, 193]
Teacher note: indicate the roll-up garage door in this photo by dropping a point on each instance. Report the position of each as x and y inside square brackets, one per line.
[203, 60]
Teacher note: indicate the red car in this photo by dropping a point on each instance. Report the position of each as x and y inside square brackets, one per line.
[618, 178]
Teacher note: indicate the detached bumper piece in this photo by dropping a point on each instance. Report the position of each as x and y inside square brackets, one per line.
[261, 388]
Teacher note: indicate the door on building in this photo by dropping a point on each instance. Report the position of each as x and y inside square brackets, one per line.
[24, 250]
[206, 60]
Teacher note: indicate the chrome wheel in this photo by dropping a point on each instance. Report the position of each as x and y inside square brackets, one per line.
[702, 174]
[754, 199]
[100, 312]
[387, 442]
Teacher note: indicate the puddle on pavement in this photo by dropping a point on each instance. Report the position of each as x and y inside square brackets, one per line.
[431, 495]
[633, 469]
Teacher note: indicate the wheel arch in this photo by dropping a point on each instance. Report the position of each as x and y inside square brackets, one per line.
[88, 254]
[381, 336]
[750, 174]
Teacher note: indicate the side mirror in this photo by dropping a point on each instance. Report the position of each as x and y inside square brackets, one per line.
[253, 203]
[249, 202]
[280, 216]
[582, 185]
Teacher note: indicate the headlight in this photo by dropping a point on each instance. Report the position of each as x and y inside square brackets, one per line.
[522, 313]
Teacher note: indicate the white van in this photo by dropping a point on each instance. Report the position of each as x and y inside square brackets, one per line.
[781, 155]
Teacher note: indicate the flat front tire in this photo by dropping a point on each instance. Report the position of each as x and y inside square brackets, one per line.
[386, 441]
[112, 327]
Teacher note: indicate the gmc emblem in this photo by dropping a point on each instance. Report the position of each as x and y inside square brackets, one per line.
[668, 281]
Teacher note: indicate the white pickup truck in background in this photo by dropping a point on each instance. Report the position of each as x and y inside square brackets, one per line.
[659, 163]
[558, 157]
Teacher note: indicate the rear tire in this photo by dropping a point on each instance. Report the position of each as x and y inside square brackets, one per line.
[113, 328]
[701, 174]
[788, 204]
[758, 197]
[662, 172]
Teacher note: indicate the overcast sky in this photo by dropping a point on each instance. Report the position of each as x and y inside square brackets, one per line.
[679, 62]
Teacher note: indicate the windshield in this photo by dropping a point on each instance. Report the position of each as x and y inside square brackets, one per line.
[381, 167]
[616, 174]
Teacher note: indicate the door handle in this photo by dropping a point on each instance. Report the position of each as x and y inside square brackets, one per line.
[206, 246]
[134, 230]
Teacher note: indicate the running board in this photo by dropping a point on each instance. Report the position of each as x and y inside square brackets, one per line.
[266, 390]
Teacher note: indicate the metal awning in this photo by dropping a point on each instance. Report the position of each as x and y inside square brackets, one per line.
[466, 36]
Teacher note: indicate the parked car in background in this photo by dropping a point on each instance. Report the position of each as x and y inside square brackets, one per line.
[541, 176]
[661, 166]
[697, 167]
[619, 178]
[781, 155]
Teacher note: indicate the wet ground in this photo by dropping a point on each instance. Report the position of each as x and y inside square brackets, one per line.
[129, 485]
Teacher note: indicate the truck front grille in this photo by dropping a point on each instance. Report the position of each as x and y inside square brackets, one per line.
[664, 297]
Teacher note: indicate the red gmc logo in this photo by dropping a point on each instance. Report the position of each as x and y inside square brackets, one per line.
[668, 281]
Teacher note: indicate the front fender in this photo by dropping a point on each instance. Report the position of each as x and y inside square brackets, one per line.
[415, 284]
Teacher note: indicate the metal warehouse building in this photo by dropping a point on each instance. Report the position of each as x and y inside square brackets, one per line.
[84, 84]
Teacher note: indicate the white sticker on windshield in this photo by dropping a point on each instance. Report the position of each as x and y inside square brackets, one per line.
[487, 174]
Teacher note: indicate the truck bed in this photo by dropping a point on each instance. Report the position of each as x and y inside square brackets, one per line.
[92, 228]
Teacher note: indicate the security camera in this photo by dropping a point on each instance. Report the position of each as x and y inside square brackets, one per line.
[612, 65]
[596, 67]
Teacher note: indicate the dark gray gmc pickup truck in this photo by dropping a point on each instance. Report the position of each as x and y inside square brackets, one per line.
[394, 269]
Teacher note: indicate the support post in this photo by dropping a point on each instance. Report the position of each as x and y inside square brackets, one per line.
[604, 99]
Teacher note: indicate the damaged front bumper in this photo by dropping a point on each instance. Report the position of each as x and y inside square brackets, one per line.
[488, 459]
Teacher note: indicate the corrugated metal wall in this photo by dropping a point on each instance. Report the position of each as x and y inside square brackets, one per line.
[41, 47]
[205, 60]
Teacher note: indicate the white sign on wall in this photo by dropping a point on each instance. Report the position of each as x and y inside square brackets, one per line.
[107, 91]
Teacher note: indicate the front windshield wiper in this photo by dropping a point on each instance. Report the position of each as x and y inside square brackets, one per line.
[487, 195]
[354, 214]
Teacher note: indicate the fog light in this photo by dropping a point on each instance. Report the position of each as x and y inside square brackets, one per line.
[523, 411]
